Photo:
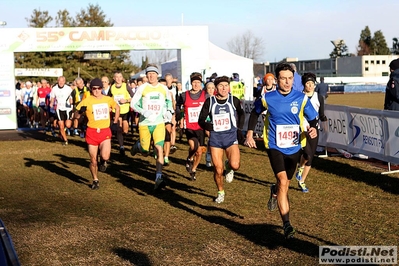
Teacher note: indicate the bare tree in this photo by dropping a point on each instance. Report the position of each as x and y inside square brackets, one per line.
[156, 57]
[246, 45]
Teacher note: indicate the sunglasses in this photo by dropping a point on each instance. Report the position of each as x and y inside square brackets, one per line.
[96, 88]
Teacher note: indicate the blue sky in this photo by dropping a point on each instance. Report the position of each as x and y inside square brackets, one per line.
[301, 29]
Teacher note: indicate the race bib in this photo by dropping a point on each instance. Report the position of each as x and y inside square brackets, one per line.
[193, 114]
[100, 111]
[117, 98]
[221, 122]
[287, 136]
[42, 101]
[154, 106]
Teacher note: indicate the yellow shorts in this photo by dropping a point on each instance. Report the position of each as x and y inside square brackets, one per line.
[146, 133]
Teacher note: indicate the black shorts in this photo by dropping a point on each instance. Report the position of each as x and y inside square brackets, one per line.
[64, 115]
[125, 117]
[198, 134]
[281, 162]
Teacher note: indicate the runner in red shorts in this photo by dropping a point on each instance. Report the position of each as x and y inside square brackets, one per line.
[97, 109]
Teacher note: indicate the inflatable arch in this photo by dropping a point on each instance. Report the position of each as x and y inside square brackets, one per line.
[191, 42]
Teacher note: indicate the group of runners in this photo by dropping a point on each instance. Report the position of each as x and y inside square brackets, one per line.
[209, 112]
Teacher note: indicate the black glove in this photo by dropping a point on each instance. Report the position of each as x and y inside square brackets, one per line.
[114, 127]
[240, 137]
[82, 110]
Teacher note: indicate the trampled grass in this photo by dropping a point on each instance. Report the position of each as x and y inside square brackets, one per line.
[55, 219]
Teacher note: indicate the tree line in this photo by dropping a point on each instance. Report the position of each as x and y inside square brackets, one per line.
[74, 63]
[368, 45]
[250, 46]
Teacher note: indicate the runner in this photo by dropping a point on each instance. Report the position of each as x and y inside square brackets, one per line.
[97, 109]
[61, 94]
[153, 102]
[286, 109]
[191, 101]
[226, 117]
[122, 96]
[317, 100]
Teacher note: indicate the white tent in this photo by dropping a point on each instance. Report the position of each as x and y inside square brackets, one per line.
[223, 63]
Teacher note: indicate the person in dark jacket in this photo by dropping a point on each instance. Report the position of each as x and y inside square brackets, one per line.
[322, 88]
[392, 90]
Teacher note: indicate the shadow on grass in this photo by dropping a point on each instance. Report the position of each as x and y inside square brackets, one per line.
[385, 182]
[136, 258]
[56, 167]
[266, 235]
[270, 236]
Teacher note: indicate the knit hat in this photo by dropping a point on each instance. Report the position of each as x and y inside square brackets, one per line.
[96, 83]
[308, 77]
[267, 76]
[394, 64]
[235, 77]
[152, 69]
[221, 79]
[195, 76]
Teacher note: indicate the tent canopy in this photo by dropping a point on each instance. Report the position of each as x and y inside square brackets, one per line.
[223, 63]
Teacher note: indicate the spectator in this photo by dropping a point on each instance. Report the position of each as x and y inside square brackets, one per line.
[322, 88]
[392, 90]
[297, 86]
[237, 88]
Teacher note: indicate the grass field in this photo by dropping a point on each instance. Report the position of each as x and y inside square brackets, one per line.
[55, 219]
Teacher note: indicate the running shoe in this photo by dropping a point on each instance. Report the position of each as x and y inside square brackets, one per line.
[229, 172]
[103, 166]
[95, 185]
[272, 203]
[173, 148]
[76, 132]
[208, 159]
[122, 151]
[303, 187]
[289, 231]
[189, 165]
[166, 161]
[298, 174]
[65, 143]
[159, 182]
[193, 175]
[68, 132]
[82, 134]
[135, 149]
[220, 198]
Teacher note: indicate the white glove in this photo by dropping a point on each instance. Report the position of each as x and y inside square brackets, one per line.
[147, 113]
[168, 116]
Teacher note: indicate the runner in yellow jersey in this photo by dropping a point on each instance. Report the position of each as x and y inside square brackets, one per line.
[122, 96]
[97, 109]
